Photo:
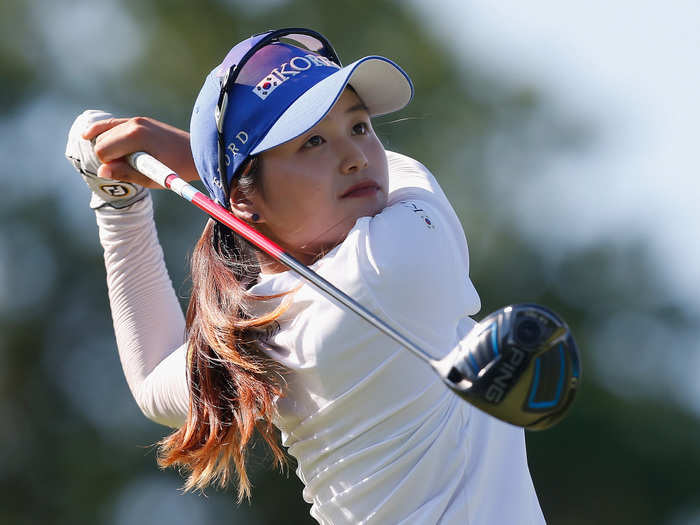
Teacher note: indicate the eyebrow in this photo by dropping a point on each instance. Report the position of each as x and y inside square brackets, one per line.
[357, 107]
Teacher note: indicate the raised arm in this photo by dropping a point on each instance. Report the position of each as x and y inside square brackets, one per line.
[148, 322]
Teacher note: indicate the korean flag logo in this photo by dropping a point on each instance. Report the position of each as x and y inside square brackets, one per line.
[266, 86]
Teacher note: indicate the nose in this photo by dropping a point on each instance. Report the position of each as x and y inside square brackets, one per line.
[353, 158]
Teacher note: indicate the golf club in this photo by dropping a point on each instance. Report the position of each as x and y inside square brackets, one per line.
[520, 364]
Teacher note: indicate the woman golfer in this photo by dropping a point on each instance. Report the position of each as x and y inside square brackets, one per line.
[285, 141]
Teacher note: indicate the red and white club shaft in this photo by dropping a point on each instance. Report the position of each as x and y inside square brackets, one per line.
[161, 174]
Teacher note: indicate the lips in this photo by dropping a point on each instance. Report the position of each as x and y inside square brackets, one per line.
[360, 189]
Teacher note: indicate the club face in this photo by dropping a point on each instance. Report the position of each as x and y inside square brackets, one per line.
[520, 364]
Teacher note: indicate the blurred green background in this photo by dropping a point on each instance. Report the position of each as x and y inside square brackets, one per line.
[73, 446]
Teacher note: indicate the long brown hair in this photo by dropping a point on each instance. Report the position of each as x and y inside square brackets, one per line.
[232, 384]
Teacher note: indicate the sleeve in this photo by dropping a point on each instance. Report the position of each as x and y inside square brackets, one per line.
[148, 321]
[416, 262]
[409, 179]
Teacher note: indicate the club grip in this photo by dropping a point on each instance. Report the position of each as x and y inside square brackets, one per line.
[150, 167]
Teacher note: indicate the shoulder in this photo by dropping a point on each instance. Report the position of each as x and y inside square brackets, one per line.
[412, 234]
[410, 180]
[408, 177]
[415, 269]
[399, 161]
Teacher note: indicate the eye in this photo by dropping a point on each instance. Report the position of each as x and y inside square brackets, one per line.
[361, 128]
[314, 141]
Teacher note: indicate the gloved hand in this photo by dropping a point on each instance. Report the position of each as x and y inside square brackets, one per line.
[80, 153]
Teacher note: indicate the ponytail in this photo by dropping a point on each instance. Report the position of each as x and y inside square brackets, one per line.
[233, 385]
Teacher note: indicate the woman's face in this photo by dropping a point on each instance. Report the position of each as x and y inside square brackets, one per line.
[316, 186]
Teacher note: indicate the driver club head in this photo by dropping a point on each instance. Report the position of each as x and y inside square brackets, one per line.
[520, 364]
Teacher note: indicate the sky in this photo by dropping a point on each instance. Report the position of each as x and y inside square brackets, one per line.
[631, 67]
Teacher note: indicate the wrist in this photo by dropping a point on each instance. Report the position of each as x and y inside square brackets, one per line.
[139, 204]
[115, 194]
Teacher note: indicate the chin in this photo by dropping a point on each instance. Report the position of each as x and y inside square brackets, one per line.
[377, 207]
[328, 240]
[337, 235]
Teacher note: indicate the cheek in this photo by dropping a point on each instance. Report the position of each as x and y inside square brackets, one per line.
[295, 199]
[301, 206]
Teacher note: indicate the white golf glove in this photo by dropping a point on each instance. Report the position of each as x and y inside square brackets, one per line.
[80, 153]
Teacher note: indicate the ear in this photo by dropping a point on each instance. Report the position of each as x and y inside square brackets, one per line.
[243, 207]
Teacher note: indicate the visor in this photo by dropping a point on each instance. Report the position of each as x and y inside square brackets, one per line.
[381, 84]
[280, 91]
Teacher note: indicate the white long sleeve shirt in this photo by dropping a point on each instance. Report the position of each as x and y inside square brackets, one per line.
[377, 436]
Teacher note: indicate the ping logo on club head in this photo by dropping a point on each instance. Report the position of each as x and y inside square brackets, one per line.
[116, 190]
[504, 375]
